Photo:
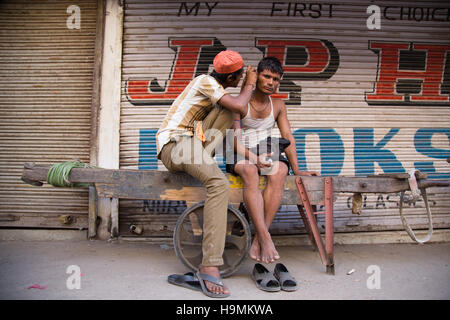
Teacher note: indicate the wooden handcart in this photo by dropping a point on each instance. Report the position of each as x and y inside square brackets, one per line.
[306, 192]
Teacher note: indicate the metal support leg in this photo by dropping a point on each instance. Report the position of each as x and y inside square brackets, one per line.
[329, 226]
[325, 252]
[307, 226]
[311, 219]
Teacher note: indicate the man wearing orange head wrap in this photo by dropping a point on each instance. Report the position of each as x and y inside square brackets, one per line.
[200, 115]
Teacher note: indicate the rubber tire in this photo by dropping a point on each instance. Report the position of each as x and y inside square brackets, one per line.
[225, 270]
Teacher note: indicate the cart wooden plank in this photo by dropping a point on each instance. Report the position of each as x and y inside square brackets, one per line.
[164, 185]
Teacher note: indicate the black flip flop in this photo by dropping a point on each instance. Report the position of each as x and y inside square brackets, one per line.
[202, 277]
[287, 282]
[187, 280]
[264, 279]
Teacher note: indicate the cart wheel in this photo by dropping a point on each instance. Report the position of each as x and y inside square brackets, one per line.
[188, 236]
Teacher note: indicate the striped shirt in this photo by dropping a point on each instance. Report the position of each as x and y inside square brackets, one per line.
[193, 104]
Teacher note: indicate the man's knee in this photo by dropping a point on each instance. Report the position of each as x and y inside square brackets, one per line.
[248, 170]
[249, 173]
[279, 173]
[165, 156]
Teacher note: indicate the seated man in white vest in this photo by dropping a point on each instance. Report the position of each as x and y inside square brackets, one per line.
[252, 156]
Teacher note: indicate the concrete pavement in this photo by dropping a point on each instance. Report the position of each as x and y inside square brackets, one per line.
[135, 271]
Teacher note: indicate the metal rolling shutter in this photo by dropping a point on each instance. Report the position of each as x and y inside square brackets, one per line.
[332, 62]
[46, 72]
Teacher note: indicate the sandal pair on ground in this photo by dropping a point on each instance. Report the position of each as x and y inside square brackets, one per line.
[280, 279]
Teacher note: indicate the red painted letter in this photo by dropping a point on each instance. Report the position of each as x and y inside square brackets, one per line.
[409, 74]
[302, 59]
[183, 71]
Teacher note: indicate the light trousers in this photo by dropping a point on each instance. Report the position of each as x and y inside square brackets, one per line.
[191, 155]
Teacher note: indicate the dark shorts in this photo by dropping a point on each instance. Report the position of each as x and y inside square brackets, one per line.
[229, 165]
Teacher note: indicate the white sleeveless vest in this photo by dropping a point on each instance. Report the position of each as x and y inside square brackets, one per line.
[255, 130]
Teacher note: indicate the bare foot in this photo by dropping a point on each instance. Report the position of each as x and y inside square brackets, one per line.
[213, 271]
[254, 252]
[268, 251]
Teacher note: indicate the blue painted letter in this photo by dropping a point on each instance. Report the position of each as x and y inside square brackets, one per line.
[147, 150]
[422, 143]
[331, 150]
[366, 153]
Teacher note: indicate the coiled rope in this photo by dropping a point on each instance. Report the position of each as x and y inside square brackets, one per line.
[58, 174]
